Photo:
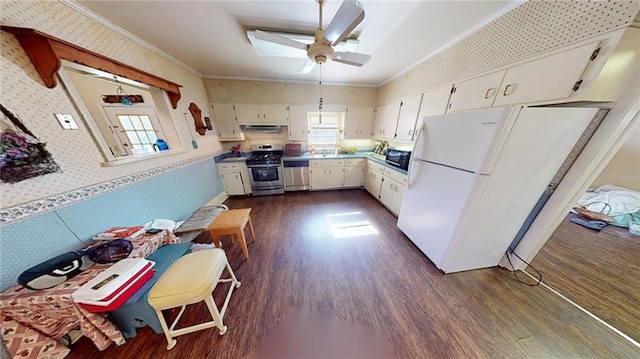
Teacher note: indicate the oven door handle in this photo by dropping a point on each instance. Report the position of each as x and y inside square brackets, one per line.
[263, 166]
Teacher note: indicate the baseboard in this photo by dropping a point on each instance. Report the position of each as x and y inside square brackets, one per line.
[219, 199]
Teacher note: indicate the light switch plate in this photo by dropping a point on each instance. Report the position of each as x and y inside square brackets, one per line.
[66, 121]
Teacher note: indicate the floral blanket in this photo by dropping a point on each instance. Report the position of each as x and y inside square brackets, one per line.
[52, 312]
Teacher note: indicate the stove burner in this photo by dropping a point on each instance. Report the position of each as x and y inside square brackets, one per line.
[267, 158]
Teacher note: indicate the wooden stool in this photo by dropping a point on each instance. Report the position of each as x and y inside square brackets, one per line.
[232, 222]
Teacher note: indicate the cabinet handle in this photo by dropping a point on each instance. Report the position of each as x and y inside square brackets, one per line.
[490, 92]
[416, 133]
[264, 116]
[409, 132]
[237, 176]
[258, 116]
[396, 189]
[507, 89]
[233, 131]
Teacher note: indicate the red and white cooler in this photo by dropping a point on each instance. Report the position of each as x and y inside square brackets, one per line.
[113, 287]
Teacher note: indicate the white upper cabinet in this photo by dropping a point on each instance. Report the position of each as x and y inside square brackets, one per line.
[298, 124]
[224, 118]
[475, 93]
[550, 78]
[433, 103]
[358, 123]
[407, 119]
[386, 118]
[273, 114]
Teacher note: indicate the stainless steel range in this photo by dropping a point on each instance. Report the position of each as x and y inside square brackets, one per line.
[265, 169]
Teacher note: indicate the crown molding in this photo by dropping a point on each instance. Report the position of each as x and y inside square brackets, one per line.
[117, 29]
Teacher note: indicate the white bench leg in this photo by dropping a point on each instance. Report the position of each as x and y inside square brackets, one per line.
[165, 329]
[213, 309]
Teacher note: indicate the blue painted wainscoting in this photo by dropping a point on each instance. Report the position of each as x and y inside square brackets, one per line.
[172, 192]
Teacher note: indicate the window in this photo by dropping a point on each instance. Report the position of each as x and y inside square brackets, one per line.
[136, 128]
[324, 128]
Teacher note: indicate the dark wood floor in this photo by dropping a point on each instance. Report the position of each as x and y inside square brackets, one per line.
[598, 270]
[377, 281]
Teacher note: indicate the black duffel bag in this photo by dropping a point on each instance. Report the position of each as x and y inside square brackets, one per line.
[55, 270]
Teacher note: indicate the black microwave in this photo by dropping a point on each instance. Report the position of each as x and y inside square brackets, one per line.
[398, 158]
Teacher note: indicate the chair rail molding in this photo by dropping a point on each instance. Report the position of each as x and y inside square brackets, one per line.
[46, 53]
[20, 212]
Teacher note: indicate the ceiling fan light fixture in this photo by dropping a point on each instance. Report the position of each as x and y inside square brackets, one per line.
[320, 53]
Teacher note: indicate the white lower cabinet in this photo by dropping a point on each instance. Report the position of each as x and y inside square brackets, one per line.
[326, 177]
[326, 174]
[391, 194]
[353, 173]
[334, 174]
[373, 178]
[386, 185]
[235, 178]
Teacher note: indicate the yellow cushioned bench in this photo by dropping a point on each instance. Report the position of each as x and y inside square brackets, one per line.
[192, 279]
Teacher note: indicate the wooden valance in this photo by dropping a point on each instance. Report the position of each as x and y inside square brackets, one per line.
[46, 51]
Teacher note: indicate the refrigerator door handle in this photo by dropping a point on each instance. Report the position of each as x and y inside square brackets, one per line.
[414, 153]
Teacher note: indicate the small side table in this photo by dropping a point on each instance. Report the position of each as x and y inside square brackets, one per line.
[232, 222]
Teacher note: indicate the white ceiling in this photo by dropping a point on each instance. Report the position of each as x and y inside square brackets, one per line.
[210, 36]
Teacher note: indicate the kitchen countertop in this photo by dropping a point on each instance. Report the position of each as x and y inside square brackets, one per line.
[233, 159]
[368, 155]
[227, 157]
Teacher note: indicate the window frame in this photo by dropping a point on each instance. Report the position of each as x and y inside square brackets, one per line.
[176, 146]
[339, 128]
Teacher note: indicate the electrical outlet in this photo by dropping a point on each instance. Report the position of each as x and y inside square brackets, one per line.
[66, 121]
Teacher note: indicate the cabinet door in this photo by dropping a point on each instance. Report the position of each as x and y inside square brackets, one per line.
[433, 103]
[352, 123]
[366, 122]
[386, 191]
[407, 118]
[334, 177]
[549, 78]
[275, 114]
[326, 177]
[353, 176]
[385, 121]
[224, 118]
[396, 200]
[373, 181]
[298, 125]
[232, 182]
[248, 114]
[476, 93]
[316, 178]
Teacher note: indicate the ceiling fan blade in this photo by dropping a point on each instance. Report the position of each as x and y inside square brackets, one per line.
[346, 19]
[308, 67]
[267, 36]
[351, 58]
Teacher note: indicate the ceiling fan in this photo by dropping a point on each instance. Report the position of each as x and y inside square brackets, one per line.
[349, 15]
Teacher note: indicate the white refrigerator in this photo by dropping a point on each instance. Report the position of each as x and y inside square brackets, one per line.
[474, 176]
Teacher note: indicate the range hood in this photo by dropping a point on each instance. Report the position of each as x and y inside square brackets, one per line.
[262, 128]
